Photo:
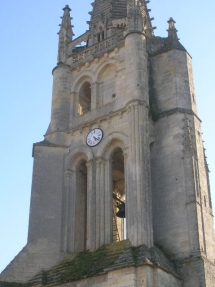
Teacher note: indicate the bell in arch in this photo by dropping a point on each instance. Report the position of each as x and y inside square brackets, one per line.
[121, 212]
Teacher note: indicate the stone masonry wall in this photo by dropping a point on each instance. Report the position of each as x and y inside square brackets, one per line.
[170, 224]
[142, 276]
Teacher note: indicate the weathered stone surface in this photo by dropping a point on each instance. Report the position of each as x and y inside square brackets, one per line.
[139, 90]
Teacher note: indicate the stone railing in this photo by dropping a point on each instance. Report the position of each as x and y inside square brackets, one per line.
[101, 47]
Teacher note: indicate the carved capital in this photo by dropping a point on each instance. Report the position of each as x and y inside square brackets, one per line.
[89, 164]
[68, 173]
[125, 152]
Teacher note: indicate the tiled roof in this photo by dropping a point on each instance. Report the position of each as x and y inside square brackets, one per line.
[108, 9]
[160, 45]
[119, 9]
[170, 44]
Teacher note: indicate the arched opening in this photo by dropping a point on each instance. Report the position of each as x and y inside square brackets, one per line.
[84, 99]
[119, 212]
[81, 207]
[100, 36]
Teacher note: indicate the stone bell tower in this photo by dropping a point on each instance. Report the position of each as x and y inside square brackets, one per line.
[122, 166]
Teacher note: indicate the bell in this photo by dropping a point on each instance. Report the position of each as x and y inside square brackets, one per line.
[121, 212]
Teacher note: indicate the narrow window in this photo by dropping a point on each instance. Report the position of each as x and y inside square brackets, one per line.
[102, 35]
[119, 206]
[98, 38]
[84, 99]
[81, 208]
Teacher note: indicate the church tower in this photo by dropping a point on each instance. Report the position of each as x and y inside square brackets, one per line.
[122, 166]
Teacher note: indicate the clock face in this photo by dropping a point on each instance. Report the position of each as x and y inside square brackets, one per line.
[94, 137]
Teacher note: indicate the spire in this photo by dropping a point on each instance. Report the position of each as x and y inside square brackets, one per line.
[112, 15]
[172, 31]
[65, 35]
[105, 11]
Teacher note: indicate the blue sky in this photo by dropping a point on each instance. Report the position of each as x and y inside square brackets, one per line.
[28, 53]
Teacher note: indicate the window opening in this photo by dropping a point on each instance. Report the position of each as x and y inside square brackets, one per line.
[84, 99]
[98, 37]
[119, 206]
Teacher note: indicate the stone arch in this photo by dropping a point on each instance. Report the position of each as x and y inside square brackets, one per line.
[76, 155]
[82, 93]
[103, 64]
[76, 187]
[112, 149]
[111, 142]
[85, 76]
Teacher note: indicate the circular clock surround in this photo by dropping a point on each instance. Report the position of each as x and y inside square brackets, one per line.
[94, 137]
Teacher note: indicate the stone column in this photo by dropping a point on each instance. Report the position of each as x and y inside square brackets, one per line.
[131, 197]
[102, 202]
[145, 178]
[108, 202]
[71, 211]
[91, 207]
[127, 211]
[61, 98]
[139, 209]
[98, 203]
[65, 209]
[136, 58]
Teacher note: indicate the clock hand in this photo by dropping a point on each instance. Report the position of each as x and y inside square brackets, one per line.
[96, 139]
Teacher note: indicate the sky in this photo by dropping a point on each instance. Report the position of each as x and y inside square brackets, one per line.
[28, 53]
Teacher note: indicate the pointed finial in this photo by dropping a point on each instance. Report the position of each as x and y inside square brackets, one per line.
[172, 31]
[67, 8]
[65, 34]
[66, 22]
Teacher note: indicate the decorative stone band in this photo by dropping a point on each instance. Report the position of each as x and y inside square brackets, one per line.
[101, 47]
[106, 117]
[177, 110]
